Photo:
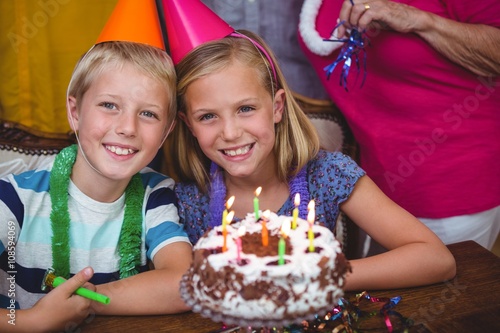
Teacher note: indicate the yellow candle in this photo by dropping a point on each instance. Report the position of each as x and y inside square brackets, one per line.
[295, 213]
[310, 207]
[228, 220]
[256, 202]
[229, 203]
[310, 235]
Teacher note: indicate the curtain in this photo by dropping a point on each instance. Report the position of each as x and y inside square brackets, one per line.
[40, 43]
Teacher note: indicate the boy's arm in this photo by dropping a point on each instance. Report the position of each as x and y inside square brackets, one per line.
[151, 292]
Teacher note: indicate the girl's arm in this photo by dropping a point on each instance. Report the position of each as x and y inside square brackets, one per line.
[416, 255]
[152, 292]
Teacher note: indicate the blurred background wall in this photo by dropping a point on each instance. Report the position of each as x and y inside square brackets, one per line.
[40, 43]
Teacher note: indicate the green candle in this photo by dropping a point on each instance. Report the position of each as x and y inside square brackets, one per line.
[256, 202]
[281, 251]
[285, 229]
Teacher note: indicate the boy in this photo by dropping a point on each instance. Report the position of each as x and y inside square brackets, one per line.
[96, 207]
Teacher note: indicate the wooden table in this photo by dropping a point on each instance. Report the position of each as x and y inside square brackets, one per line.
[468, 303]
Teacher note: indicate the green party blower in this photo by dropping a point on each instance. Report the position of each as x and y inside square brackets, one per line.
[50, 280]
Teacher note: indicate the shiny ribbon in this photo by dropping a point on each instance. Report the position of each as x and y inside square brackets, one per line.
[352, 50]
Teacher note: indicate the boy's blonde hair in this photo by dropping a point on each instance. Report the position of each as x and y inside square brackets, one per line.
[297, 141]
[150, 60]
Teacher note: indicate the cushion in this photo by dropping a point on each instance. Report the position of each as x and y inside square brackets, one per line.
[23, 148]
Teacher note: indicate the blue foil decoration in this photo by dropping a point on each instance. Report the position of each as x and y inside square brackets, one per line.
[352, 51]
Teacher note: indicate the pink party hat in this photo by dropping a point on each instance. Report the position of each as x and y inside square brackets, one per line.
[191, 23]
[134, 21]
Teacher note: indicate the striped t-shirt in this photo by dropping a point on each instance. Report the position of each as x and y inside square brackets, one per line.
[26, 233]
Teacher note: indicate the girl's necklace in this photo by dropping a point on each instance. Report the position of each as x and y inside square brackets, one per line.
[298, 184]
[129, 244]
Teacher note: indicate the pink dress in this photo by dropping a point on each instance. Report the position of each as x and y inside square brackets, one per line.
[429, 130]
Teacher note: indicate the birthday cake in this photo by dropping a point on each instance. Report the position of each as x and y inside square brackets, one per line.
[251, 284]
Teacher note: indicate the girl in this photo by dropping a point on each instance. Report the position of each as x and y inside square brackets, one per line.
[241, 129]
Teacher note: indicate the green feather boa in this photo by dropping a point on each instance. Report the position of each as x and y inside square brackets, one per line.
[129, 244]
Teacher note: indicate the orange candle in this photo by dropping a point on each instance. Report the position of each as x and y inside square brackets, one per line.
[296, 211]
[265, 232]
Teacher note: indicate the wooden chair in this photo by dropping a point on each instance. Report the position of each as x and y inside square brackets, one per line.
[335, 135]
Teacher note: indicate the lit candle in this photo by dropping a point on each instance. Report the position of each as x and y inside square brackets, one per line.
[310, 207]
[285, 228]
[229, 218]
[241, 232]
[310, 218]
[256, 202]
[229, 203]
[265, 232]
[296, 211]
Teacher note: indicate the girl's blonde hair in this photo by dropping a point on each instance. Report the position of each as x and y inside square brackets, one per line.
[297, 141]
[150, 60]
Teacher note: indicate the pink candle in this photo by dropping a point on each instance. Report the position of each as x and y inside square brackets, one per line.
[241, 232]
[310, 218]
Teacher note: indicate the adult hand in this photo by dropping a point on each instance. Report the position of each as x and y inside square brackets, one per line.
[475, 47]
[379, 14]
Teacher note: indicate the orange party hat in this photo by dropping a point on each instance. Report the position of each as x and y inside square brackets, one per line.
[191, 23]
[134, 21]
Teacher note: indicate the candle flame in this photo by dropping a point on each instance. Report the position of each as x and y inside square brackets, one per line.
[311, 204]
[229, 202]
[266, 214]
[297, 199]
[241, 231]
[258, 190]
[229, 217]
[311, 216]
[285, 228]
